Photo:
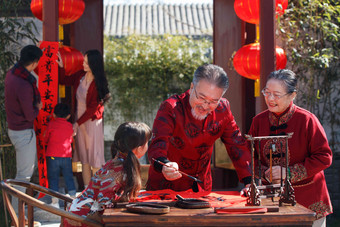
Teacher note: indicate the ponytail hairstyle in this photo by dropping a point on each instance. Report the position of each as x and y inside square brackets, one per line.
[96, 64]
[129, 136]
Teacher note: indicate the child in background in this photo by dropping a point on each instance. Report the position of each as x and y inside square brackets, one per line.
[119, 179]
[58, 137]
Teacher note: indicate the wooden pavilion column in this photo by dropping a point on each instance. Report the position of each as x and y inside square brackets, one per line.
[230, 34]
[50, 20]
[228, 37]
[267, 42]
[87, 32]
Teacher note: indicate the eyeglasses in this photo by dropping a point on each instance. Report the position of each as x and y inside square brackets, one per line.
[269, 94]
[203, 100]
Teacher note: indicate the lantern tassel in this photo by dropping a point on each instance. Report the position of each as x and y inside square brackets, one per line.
[61, 38]
[257, 33]
[62, 91]
[257, 88]
[61, 32]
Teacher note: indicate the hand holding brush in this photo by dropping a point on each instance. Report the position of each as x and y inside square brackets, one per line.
[171, 171]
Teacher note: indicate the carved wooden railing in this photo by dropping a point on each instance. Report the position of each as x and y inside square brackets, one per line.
[30, 201]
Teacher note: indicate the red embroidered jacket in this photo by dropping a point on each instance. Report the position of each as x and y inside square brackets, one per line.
[179, 137]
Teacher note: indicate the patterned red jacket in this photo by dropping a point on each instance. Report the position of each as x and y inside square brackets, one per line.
[179, 137]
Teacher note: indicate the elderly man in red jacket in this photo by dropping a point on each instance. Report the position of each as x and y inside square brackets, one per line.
[184, 132]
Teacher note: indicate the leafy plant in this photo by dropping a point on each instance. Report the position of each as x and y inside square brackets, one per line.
[310, 33]
[143, 71]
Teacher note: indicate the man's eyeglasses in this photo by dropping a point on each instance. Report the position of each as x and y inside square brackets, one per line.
[269, 94]
[203, 100]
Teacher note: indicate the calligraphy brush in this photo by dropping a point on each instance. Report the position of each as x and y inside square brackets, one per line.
[193, 178]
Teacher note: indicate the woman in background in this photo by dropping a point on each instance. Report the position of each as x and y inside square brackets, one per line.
[309, 152]
[90, 93]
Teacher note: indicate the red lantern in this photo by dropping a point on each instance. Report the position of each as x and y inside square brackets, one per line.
[248, 10]
[281, 59]
[72, 59]
[247, 60]
[69, 11]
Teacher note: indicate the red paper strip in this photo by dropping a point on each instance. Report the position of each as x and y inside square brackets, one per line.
[48, 87]
[216, 199]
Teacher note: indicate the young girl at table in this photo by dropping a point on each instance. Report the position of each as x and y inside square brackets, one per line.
[119, 179]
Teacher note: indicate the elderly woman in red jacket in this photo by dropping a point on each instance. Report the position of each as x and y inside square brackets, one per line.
[309, 152]
[90, 93]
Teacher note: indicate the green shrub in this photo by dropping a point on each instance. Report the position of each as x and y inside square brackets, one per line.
[143, 71]
[310, 33]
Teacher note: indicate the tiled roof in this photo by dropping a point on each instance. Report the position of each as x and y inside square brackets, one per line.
[158, 19]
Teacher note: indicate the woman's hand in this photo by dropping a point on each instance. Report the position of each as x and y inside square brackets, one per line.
[75, 128]
[244, 190]
[276, 174]
[59, 60]
[170, 171]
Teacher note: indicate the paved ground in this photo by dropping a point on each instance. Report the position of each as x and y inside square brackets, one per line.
[46, 218]
[50, 224]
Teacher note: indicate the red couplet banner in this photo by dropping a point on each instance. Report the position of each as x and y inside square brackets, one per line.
[48, 87]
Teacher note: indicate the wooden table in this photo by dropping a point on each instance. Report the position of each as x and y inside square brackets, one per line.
[287, 215]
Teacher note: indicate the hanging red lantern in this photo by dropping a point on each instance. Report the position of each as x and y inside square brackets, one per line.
[69, 11]
[72, 59]
[281, 58]
[247, 60]
[248, 10]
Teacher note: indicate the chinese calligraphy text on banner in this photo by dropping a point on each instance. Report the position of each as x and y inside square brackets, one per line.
[48, 87]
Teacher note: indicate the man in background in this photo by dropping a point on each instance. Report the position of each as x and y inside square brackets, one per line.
[22, 103]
